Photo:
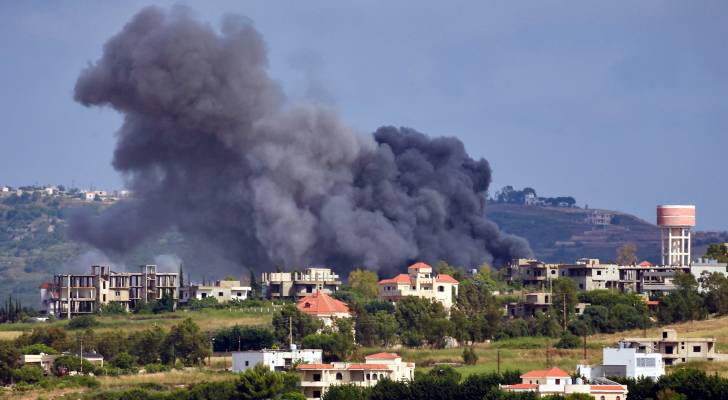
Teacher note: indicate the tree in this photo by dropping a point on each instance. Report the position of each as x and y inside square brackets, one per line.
[444, 268]
[148, 346]
[683, 304]
[29, 374]
[301, 324]
[422, 319]
[345, 392]
[255, 290]
[386, 327]
[627, 254]
[365, 283]
[259, 382]
[717, 251]
[9, 357]
[124, 361]
[568, 341]
[186, 342]
[715, 289]
[564, 289]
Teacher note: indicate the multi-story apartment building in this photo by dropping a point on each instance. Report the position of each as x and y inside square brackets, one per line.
[75, 294]
[532, 273]
[317, 378]
[534, 303]
[421, 282]
[624, 362]
[294, 285]
[223, 291]
[590, 274]
[674, 349]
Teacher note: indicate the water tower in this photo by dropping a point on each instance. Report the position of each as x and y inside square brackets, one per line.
[675, 222]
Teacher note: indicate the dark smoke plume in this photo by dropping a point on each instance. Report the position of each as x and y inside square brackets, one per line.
[210, 147]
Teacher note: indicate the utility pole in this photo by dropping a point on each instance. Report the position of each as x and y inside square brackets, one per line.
[564, 311]
[290, 332]
[81, 354]
[585, 359]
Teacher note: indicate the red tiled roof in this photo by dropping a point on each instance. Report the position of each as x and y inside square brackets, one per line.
[553, 372]
[606, 388]
[445, 278]
[411, 365]
[521, 386]
[45, 285]
[320, 303]
[382, 356]
[377, 367]
[316, 366]
[652, 302]
[419, 265]
[645, 264]
[401, 278]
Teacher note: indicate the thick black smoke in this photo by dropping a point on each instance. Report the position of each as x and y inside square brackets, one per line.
[210, 148]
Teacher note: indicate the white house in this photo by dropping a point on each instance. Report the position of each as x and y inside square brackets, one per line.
[317, 378]
[276, 360]
[421, 282]
[625, 362]
[223, 290]
[556, 381]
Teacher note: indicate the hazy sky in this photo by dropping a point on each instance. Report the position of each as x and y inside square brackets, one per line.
[623, 105]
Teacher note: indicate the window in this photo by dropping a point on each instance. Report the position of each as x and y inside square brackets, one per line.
[317, 394]
[696, 349]
[317, 377]
[339, 376]
[668, 349]
[307, 305]
[618, 398]
[558, 381]
[374, 377]
[104, 298]
[204, 295]
[664, 335]
[118, 293]
[441, 288]
[309, 289]
[247, 363]
[599, 272]
[602, 398]
[369, 377]
[219, 294]
[645, 362]
[240, 294]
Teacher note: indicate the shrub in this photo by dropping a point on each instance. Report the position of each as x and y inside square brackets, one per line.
[124, 361]
[28, 374]
[469, 356]
[568, 341]
[156, 367]
[37, 348]
[64, 364]
[83, 322]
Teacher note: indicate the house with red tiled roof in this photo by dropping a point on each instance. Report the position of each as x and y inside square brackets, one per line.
[317, 378]
[420, 281]
[324, 307]
[556, 381]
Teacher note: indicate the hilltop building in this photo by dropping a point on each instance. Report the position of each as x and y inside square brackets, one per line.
[421, 282]
[317, 378]
[323, 307]
[223, 291]
[557, 382]
[76, 294]
[294, 285]
[675, 350]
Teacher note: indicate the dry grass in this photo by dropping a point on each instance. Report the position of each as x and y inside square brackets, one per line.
[9, 335]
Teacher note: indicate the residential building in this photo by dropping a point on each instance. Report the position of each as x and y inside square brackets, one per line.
[75, 294]
[48, 298]
[294, 285]
[590, 274]
[323, 307]
[532, 273]
[599, 218]
[223, 291]
[534, 303]
[317, 378]
[42, 360]
[624, 362]
[421, 282]
[276, 360]
[706, 266]
[557, 382]
[674, 349]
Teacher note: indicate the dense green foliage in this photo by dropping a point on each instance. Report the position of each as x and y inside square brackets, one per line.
[290, 320]
[243, 338]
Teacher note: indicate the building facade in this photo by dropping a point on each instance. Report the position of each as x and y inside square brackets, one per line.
[557, 382]
[77, 294]
[419, 281]
[295, 285]
[223, 291]
[275, 360]
[317, 378]
[675, 350]
[323, 307]
[624, 362]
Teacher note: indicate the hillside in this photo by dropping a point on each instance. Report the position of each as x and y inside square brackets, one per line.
[559, 234]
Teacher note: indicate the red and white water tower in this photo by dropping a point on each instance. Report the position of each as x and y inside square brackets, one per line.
[675, 222]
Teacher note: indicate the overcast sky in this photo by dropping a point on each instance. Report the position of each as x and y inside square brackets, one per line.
[623, 105]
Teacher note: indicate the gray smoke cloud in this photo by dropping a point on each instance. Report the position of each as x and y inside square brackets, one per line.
[210, 147]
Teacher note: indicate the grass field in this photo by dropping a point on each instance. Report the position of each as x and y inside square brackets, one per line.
[207, 319]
